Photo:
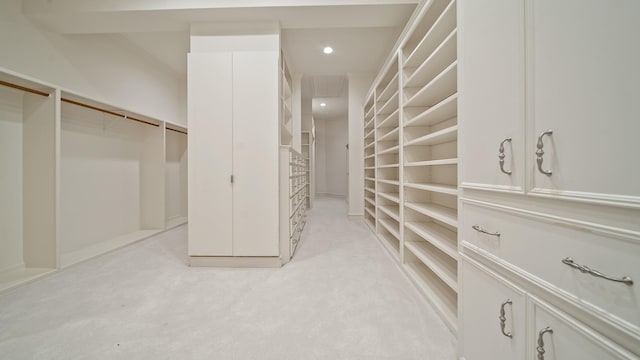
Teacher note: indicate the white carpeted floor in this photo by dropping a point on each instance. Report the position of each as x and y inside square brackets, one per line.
[341, 297]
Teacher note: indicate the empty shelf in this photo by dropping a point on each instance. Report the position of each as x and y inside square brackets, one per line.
[439, 236]
[391, 211]
[438, 212]
[438, 137]
[426, 116]
[395, 197]
[392, 229]
[445, 269]
[452, 161]
[439, 188]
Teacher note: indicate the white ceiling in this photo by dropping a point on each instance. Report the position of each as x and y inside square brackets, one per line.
[362, 32]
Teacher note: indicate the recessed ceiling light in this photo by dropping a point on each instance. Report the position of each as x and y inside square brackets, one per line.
[327, 50]
[323, 104]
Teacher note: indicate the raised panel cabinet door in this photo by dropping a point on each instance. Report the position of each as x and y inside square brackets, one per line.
[488, 303]
[557, 336]
[582, 84]
[255, 153]
[491, 93]
[210, 161]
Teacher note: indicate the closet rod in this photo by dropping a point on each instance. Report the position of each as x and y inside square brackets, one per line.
[107, 111]
[33, 91]
[178, 131]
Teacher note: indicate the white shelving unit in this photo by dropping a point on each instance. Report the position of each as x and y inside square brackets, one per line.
[286, 104]
[370, 163]
[416, 157]
[28, 192]
[293, 203]
[85, 178]
[388, 158]
[307, 152]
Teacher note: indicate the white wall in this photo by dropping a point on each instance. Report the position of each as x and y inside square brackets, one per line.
[359, 84]
[105, 67]
[11, 254]
[331, 137]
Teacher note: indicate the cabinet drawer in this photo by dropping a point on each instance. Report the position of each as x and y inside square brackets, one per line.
[538, 247]
[557, 336]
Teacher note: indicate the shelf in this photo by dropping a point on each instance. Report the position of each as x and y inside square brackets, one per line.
[370, 201]
[370, 145]
[395, 197]
[447, 272]
[439, 188]
[391, 244]
[452, 161]
[370, 168]
[390, 182]
[390, 228]
[438, 137]
[441, 296]
[370, 178]
[370, 224]
[390, 105]
[392, 118]
[386, 94]
[370, 212]
[388, 166]
[16, 277]
[443, 26]
[437, 235]
[444, 85]
[438, 212]
[391, 150]
[444, 110]
[392, 211]
[391, 135]
[103, 247]
[442, 57]
[369, 112]
[371, 132]
[373, 191]
[369, 156]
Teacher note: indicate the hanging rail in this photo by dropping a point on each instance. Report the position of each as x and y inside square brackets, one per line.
[33, 91]
[178, 131]
[107, 111]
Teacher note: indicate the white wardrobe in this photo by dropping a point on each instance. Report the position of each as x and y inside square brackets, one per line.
[234, 105]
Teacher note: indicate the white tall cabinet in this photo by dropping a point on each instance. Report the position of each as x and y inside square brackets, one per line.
[233, 105]
[549, 234]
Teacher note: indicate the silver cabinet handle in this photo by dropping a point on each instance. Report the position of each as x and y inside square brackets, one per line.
[479, 229]
[501, 156]
[540, 152]
[503, 318]
[540, 347]
[585, 269]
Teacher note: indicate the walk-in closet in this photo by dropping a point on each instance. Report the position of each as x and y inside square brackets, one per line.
[335, 179]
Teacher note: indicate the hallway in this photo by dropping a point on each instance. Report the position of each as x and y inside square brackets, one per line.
[341, 297]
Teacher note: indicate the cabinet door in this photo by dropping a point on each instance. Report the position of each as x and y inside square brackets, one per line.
[557, 336]
[255, 154]
[491, 85]
[210, 143]
[582, 83]
[482, 299]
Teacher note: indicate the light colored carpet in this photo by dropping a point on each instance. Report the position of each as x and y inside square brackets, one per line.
[341, 297]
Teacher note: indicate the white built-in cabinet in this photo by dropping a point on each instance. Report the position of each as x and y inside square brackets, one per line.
[83, 177]
[242, 207]
[233, 111]
[549, 231]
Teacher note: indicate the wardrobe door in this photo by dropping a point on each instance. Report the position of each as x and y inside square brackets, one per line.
[491, 93]
[210, 161]
[492, 315]
[582, 84]
[255, 154]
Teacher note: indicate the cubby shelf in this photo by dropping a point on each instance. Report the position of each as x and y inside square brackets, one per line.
[416, 157]
[438, 293]
[439, 236]
[438, 212]
[370, 201]
[439, 188]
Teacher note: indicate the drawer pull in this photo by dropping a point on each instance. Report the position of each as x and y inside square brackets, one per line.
[540, 347]
[540, 152]
[501, 156]
[585, 269]
[503, 318]
[479, 229]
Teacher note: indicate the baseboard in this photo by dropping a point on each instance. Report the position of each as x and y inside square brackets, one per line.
[235, 261]
[356, 217]
[336, 196]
